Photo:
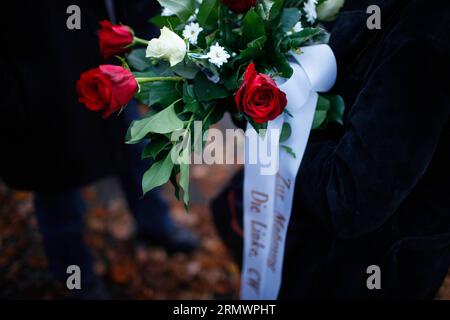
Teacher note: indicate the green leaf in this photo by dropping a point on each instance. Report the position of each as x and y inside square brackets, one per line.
[158, 174]
[163, 93]
[225, 26]
[210, 38]
[252, 27]
[276, 9]
[183, 151]
[208, 12]
[155, 147]
[286, 132]
[232, 83]
[191, 103]
[289, 19]
[173, 181]
[182, 9]
[257, 126]
[143, 95]
[289, 151]
[253, 50]
[323, 104]
[184, 182]
[138, 61]
[206, 90]
[319, 118]
[188, 93]
[187, 71]
[336, 113]
[155, 68]
[298, 39]
[171, 22]
[165, 121]
[266, 5]
[281, 63]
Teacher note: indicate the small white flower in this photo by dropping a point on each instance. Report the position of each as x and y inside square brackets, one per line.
[218, 55]
[191, 32]
[167, 12]
[169, 46]
[310, 10]
[298, 27]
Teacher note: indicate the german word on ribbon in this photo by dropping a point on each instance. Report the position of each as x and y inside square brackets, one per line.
[268, 194]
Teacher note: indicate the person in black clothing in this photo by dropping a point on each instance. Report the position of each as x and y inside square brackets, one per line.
[374, 192]
[53, 145]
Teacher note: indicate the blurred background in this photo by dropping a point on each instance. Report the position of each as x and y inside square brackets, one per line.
[130, 270]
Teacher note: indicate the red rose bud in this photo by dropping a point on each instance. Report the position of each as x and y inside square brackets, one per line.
[239, 6]
[107, 88]
[114, 39]
[259, 97]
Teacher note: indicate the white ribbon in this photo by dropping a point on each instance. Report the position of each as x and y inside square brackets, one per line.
[268, 197]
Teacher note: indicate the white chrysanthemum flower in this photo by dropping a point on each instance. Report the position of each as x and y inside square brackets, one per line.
[218, 55]
[167, 12]
[310, 10]
[191, 32]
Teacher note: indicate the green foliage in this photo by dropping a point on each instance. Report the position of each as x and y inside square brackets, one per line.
[205, 90]
[208, 13]
[286, 132]
[155, 147]
[165, 121]
[158, 174]
[137, 60]
[171, 22]
[182, 9]
[336, 113]
[252, 27]
[262, 35]
[330, 108]
[289, 19]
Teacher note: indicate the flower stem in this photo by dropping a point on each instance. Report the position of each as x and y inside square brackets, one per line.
[140, 41]
[156, 79]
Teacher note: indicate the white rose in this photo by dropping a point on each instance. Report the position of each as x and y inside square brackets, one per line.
[328, 10]
[169, 46]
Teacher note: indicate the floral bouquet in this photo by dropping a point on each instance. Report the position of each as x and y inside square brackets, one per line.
[212, 57]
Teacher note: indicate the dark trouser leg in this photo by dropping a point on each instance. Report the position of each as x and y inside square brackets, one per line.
[60, 220]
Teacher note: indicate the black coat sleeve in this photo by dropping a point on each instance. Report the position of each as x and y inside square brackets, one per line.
[354, 184]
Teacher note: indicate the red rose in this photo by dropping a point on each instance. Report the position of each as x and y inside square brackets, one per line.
[114, 39]
[239, 6]
[259, 97]
[107, 88]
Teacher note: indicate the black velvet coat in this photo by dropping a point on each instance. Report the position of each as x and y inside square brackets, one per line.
[375, 192]
[48, 141]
